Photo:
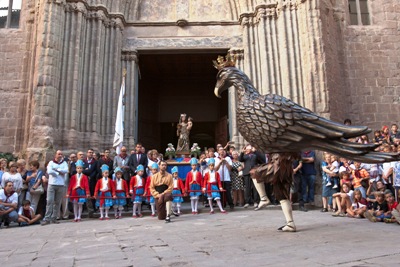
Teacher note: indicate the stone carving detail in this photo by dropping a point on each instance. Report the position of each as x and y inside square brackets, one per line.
[130, 56]
[182, 23]
[76, 7]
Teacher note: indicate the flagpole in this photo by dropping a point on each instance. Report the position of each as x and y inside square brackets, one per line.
[119, 121]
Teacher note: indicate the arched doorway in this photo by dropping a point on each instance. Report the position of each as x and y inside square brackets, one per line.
[175, 82]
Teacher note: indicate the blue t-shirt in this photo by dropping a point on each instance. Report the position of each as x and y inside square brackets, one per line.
[308, 168]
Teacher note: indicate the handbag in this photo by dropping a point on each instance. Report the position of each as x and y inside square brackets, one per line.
[38, 191]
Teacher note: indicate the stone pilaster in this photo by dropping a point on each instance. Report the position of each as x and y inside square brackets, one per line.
[49, 43]
[130, 62]
[277, 51]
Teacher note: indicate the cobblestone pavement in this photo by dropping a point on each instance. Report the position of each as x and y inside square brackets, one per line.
[242, 237]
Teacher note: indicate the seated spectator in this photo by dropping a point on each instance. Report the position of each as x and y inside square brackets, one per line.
[26, 214]
[343, 200]
[394, 134]
[358, 207]
[8, 204]
[385, 135]
[378, 139]
[345, 178]
[378, 186]
[378, 212]
[392, 205]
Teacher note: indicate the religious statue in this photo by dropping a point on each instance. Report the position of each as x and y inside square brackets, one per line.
[183, 131]
[278, 126]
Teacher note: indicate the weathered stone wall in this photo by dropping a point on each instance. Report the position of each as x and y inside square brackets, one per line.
[334, 61]
[14, 61]
[373, 60]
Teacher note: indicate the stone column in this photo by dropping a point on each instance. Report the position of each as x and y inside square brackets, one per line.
[130, 62]
[232, 102]
[49, 46]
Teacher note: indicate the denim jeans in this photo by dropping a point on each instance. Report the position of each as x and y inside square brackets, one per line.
[55, 194]
[308, 184]
[11, 217]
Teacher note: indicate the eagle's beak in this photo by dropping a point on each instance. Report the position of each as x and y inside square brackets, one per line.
[216, 92]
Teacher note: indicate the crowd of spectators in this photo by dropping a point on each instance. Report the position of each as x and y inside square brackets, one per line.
[351, 189]
[366, 190]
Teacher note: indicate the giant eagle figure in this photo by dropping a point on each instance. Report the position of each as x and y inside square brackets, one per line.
[276, 125]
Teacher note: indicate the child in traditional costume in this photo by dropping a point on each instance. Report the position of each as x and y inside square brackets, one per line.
[78, 190]
[137, 190]
[193, 185]
[122, 191]
[212, 185]
[104, 192]
[177, 192]
[150, 198]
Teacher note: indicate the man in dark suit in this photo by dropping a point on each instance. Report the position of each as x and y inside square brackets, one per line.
[136, 159]
[90, 170]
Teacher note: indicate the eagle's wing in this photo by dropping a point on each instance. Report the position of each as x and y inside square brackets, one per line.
[273, 123]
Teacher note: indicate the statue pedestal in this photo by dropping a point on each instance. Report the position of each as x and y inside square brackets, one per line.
[183, 154]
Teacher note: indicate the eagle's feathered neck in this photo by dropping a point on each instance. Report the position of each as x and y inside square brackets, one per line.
[243, 85]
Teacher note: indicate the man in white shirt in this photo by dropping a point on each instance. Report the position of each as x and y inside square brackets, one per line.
[223, 165]
[8, 204]
[57, 169]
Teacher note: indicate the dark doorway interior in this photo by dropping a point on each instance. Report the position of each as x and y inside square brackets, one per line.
[174, 83]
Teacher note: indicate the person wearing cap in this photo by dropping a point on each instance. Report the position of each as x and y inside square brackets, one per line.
[121, 191]
[78, 190]
[150, 198]
[104, 192]
[161, 187]
[193, 183]
[177, 192]
[136, 189]
[57, 169]
[212, 185]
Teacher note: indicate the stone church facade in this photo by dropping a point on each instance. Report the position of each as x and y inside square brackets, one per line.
[61, 69]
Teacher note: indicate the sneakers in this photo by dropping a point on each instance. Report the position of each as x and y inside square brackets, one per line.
[329, 184]
[302, 208]
[246, 206]
[167, 219]
[369, 216]
[338, 214]
[335, 186]
[255, 205]
[42, 223]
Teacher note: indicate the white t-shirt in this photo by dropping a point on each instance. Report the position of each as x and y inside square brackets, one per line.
[335, 167]
[385, 169]
[223, 170]
[21, 211]
[16, 179]
[12, 199]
